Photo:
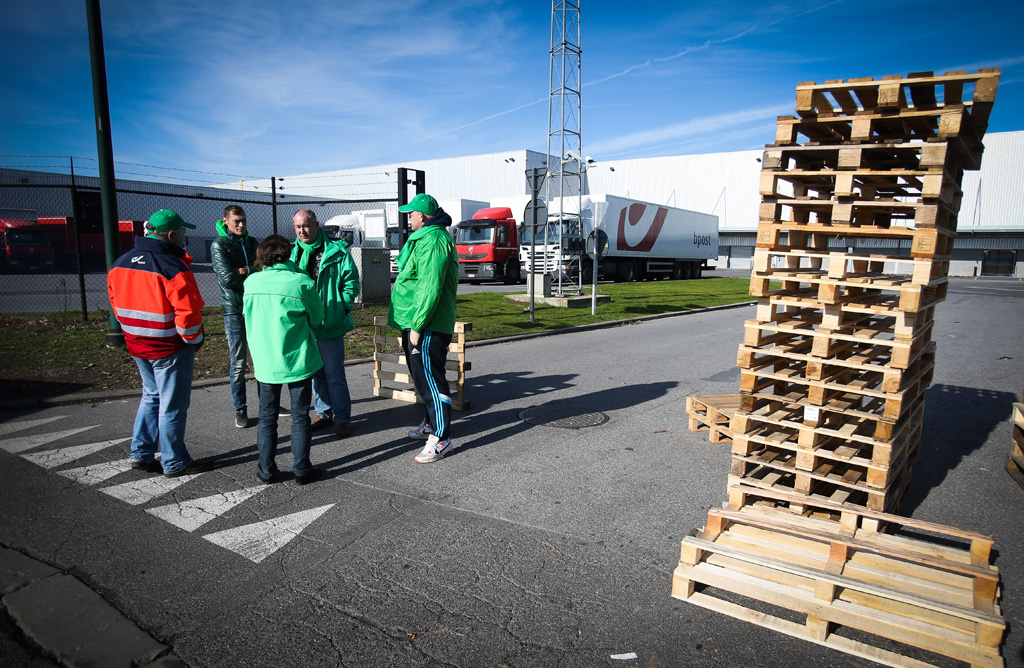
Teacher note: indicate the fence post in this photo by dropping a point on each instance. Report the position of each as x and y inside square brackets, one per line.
[273, 201]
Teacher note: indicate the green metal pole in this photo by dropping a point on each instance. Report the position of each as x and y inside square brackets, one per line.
[105, 152]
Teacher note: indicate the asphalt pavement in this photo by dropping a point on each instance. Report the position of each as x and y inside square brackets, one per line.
[533, 545]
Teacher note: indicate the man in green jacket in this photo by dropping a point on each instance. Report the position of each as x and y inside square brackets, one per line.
[233, 254]
[282, 309]
[423, 308]
[328, 263]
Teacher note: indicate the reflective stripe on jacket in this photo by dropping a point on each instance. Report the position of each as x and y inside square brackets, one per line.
[156, 299]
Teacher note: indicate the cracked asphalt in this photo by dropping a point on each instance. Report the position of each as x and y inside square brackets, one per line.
[531, 545]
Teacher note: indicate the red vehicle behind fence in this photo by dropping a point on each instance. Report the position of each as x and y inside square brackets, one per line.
[23, 244]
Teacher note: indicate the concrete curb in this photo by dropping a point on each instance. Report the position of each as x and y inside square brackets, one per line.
[70, 621]
[111, 395]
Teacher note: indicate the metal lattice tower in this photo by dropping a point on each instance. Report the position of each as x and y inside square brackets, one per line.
[564, 182]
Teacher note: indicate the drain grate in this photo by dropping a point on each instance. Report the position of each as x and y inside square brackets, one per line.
[564, 417]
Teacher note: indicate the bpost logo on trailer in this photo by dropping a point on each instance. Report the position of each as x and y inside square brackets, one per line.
[636, 215]
[701, 240]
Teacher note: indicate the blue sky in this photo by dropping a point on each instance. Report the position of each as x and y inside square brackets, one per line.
[259, 88]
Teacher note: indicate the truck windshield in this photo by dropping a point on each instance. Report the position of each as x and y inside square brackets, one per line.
[552, 232]
[28, 238]
[475, 235]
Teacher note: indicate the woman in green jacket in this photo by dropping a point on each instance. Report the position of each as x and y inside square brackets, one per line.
[282, 310]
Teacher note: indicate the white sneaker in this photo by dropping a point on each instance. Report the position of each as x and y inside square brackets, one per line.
[435, 450]
[422, 432]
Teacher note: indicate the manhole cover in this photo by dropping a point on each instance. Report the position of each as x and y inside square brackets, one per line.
[565, 417]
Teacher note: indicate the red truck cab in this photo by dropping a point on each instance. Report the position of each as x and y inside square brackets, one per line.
[488, 247]
[23, 245]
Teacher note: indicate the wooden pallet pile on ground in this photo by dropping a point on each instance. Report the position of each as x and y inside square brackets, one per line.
[860, 196]
[391, 377]
[712, 413]
[1015, 460]
[928, 586]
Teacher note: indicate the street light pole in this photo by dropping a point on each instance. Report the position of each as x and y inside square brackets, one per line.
[105, 153]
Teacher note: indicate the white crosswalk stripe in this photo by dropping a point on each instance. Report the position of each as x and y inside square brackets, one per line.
[258, 541]
[11, 427]
[255, 541]
[22, 443]
[190, 515]
[51, 459]
[138, 492]
[94, 474]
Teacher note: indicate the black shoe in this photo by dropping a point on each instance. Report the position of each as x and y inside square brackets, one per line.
[241, 419]
[274, 477]
[148, 467]
[320, 423]
[195, 467]
[312, 476]
[342, 430]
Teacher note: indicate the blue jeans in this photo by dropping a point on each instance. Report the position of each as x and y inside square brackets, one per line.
[331, 398]
[266, 432]
[238, 349]
[160, 420]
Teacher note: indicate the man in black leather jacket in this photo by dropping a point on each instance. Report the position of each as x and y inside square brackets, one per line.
[234, 252]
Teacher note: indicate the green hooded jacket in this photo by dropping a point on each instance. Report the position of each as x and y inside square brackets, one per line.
[281, 310]
[424, 293]
[228, 253]
[338, 286]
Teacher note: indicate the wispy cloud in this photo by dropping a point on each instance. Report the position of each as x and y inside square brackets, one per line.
[696, 127]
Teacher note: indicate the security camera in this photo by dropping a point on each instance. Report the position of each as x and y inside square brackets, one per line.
[572, 155]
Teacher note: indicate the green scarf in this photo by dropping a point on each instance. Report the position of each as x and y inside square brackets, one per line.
[307, 251]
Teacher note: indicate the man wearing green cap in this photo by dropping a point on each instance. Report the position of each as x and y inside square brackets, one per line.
[423, 308]
[233, 253]
[155, 298]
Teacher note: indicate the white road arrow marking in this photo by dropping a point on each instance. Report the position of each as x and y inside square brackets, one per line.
[22, 443]
[138, 492]
[11, 427]
[94, 474]
[51, 459]
[190, 515]
[258, 541]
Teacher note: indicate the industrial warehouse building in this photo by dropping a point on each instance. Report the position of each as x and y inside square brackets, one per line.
[990, 237]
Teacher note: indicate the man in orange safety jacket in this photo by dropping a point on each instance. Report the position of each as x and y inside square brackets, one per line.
[155, 298]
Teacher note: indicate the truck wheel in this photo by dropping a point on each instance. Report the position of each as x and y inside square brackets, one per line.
[678, 271]
[511, 272]
[627, 274]
[587, 275]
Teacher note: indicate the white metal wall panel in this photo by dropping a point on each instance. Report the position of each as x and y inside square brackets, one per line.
[994, 195]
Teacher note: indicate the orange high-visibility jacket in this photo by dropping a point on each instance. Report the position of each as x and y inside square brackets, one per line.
[156, 299]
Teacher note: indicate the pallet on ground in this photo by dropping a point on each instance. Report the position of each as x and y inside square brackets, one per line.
[1015, 460]
[712, 413]
[385, 378]
[930, 587]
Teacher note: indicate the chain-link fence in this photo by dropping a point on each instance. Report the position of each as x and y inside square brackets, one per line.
[58, 264]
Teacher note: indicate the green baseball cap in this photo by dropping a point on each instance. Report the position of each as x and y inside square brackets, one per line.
[166, 220]
[423, 203]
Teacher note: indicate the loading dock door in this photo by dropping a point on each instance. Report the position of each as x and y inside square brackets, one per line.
[998, 263]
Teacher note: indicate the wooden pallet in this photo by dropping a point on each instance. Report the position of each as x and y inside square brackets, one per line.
[712, 413]
[789, 234]
[918, 591]
[1015, 460]
[880, 157]
[395, 382]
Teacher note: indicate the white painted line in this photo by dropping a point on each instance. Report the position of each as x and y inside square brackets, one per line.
[258, 541]
[22, 443]
[51, 459]
[94, 474]
[190, 515]
[11, 427]
[138, 492]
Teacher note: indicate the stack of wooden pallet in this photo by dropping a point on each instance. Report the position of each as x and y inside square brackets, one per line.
[1015, 460]
[860, 195]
